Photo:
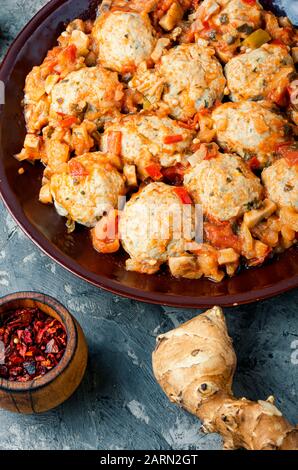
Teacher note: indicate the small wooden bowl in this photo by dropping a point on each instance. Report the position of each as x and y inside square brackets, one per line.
[43, 394]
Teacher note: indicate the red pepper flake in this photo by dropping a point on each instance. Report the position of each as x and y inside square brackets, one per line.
[34, 343]
[183, 195]
[173, 139]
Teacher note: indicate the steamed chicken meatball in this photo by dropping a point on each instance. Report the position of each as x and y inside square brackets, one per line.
[262, 74]
[91, 92]
[124, 40]
[193, 80]
[250, 130]
[147, 229]
[281, 183]
[147, 139]
[87, 189]
[225, 23]
[224, 186]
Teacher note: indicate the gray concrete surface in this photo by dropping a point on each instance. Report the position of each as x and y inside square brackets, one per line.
[119, 405]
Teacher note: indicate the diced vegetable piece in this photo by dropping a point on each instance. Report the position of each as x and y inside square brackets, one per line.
[253, 217]
[114, 142]
[227, 255]
[257, 39]
[172, 17]
[173, 139]
[154, 171]
[68, 121]
[130, 174]
[81, 41]
[250, 2]
[45, 195]
[183, 195]
[76, 169]
[295, 54]
[32, 141]
[146, 104]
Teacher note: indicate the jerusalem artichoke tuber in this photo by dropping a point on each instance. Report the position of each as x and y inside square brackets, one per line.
[195, 364]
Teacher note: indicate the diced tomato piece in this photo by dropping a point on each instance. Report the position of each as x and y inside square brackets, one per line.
[173, 139]
[183, 195]
[254, 163]
[250, 2]
[71, 53]
[221, 236]
[68, 121]
[154, 171]
[174, 174]
[115, 142]
[76, 169]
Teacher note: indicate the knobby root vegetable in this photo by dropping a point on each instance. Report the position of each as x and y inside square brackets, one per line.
[194, 364]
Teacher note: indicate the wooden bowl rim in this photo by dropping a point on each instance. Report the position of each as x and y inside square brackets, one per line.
[71, 346]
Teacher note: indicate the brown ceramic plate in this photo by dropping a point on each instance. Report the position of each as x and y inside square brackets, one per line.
[74, 252]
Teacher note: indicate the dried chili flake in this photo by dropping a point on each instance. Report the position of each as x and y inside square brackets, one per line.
[34, 343]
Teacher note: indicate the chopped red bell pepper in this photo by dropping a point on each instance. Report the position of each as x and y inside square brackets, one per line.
[76, 169]
[173, 139]
[183, 195]
[68, 121]
[115, 142]
[250, 2]
[154, 171]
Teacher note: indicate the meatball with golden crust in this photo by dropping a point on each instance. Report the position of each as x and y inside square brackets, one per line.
[147, 228]
[194, 80]
[261, 74]
[225, 23]
[124, 39]
[87, 189]
[281, 183]
[224, 186]
[91, 92]
[250, 130]
[147, 138]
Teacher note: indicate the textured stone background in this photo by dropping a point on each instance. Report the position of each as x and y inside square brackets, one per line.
[119, 405]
